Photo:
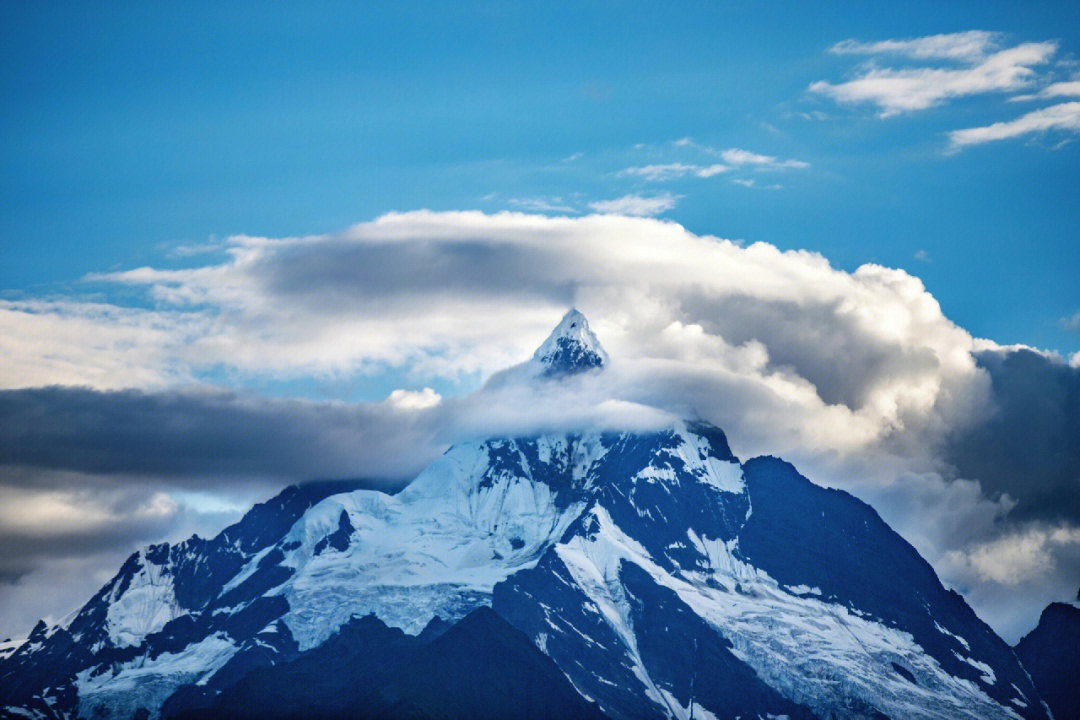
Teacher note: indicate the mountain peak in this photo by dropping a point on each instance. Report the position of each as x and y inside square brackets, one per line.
[572, 347]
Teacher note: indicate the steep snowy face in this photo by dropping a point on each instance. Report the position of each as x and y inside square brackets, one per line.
[801, 600]
[571, 348]
[146, 603]
[296, 569]
[664, 578]
[477, 515]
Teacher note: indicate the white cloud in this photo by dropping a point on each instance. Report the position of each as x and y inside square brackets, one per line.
[1064, 117]
[414, 399]
[92, 344]
[1015, 558]
[184, 251]
[847, 358]
[65, 511]
[636, 205]
[751, 183]
[1070, 88]
[735, 156]
[906, 89]
[668, 171]
[969, 46]
[543, 204]
[708, 171]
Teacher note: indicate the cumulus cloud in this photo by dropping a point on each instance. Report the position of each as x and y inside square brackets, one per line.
[414, 399]
[467, 291]
[1063, 117]
[444, 293]
[1004, 577]
[858, 377]
[1026, 446]
[1016, 558]
[975, 64]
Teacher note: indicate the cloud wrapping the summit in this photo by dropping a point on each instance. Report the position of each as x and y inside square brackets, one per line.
[857, 377]
[443, 294]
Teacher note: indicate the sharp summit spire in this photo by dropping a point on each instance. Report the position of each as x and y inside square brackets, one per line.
[572, 347]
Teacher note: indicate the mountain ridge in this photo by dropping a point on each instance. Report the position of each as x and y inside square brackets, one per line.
[628, 559]
[1051, 653]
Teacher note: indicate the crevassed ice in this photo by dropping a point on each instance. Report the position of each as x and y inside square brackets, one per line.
[436, 548]
[801, 645]
[145, 606]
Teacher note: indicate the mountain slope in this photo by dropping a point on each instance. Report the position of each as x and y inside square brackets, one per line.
[1051, 653]
[479, 668]
[159, 610]
[835, 617]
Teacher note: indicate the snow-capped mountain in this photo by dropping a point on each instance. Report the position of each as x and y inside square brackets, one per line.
[663, 578]
[572, 347]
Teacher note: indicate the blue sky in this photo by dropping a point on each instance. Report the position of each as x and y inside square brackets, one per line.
[129, 130]
[218, 274]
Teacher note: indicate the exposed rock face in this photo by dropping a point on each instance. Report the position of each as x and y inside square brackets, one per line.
[1051, 653]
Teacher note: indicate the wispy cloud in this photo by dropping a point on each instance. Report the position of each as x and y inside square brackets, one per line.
[739, 157]
[636, 205]
[1072, 323]
[542, 204]
[1064, 117]
[1067, 88]
[668, 171]
[974, 66]
[971, 46]
[184, 251]
[750, 183]
[1070, 88]
[733, 159]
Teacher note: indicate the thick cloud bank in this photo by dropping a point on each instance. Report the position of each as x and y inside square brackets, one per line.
[968, 449]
